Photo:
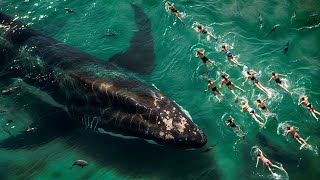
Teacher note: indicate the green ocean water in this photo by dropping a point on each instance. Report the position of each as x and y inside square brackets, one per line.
[179, 75]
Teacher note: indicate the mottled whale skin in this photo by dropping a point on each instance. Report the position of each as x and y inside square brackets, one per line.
[94, 92]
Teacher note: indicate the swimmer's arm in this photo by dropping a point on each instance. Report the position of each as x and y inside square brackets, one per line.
[196, 55]
[196, 29]
[270, 79]
[264, 100]
[282, 75]
[221, 83]
[245, 80]
[286, 134]
[299, 102]
[257, 162]
[207, 88]
[253, 72]
[242, 109]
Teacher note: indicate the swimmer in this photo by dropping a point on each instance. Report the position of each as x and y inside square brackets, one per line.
[252, 112]
[201, 28]
[230, 122]
[214, 89]
[265, 161]
[250, 75]
[295, 135]
[260, 104]
[170, 6]
[276, 78]
[200, 54]
[225, 80]
[305, 101]
[229, 55]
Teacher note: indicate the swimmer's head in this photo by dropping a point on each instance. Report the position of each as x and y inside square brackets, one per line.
[243, 103]
[302, 99]
[273, 73]
[288, 128]
[229, 119]
[248, 72]
[209, 81]
[223, 46]
[169, 3]
[258, 100]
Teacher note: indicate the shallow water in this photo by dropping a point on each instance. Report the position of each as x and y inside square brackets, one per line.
[179, 75]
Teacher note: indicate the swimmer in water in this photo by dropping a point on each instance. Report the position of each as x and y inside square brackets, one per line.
[295, 135]
[260, 104]
[276, 78]
[200, 54]
[230, 122]
[305, 100]
[229, 84]
[229, 55]
[252, 112]
[214, 89]
[250, 75]
[170, 6]
[202, 29]
[265, 161]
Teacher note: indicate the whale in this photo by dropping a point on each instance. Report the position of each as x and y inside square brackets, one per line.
[98, 94]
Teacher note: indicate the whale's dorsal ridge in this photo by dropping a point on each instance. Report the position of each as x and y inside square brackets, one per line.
[140, 56]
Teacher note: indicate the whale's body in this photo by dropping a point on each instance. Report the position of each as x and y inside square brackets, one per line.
[94, 92]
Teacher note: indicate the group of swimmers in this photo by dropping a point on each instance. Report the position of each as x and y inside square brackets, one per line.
[250, 75]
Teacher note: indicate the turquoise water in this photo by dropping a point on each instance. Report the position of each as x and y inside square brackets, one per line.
[179, 75]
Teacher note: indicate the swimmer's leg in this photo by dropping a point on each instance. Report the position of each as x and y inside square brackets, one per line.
[297, 139]
[302, 140]
[237, 87]
[270, 170]
[316, 112]
[177, 15]
[215, 95]
[276, 166]
[313, 114]
[258, 116]
[255, 118]
[259, 86]
[210, 34]
[282, 86]
[205, 64]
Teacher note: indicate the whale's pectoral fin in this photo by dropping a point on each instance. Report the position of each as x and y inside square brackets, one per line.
[140, 55]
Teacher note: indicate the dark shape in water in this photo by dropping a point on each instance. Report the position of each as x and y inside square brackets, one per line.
[96, 93]
[260, 21]
[286, 47]
[3, 111]
[69, 10]
[273, 29]
[6, 130]
[9, 121]
[10, 90]
[81, 163]
[109, 35]
[210, 148]
[314, 14]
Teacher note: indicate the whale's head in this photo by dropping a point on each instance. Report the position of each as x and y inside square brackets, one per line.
[130, 108]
